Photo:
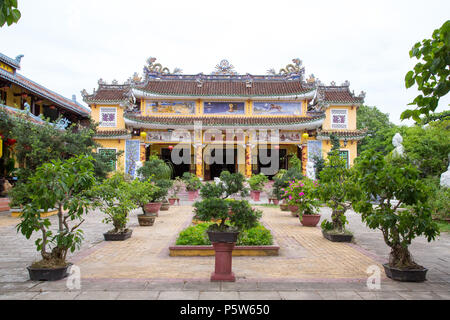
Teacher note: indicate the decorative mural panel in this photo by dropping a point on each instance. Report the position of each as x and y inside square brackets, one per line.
[132, 150]
[229, 108]
[170, 107]
[108, 117]
[314, 149]
[163, 136]
[289, 136]
[277, 108]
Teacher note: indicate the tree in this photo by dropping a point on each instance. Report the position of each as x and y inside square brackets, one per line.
[431, 73]
[378, 128]
[9, 13]
[62, 185]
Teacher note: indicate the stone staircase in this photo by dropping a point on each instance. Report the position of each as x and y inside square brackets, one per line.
[4, 204]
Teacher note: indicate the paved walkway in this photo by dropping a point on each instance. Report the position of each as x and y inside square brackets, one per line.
[308, 267]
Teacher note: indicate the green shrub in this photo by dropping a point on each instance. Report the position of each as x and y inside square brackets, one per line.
[256, 236]
[257, 181]
[438, 199]
[194, 235]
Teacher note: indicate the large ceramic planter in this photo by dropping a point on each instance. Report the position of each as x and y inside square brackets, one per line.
[192, 195]
[409, 275]
[40, 274]
[118, 236]
[256, 195]
[294, 210]
[336, 237]
[223, 243]
[310, 220]
[146, 220]
[165, 206]
[172, 201]
[152, 207]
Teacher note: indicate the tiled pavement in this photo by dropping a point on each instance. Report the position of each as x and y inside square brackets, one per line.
[309, 267]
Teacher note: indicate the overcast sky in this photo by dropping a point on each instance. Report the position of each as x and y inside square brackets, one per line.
[69, 45]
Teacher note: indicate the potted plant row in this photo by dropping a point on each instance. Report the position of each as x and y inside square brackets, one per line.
[256, 183]
[302, 199]
[177, 185]
[193, 185]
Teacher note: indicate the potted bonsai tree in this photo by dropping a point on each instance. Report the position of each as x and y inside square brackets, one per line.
[281, 181]
[114, 198]
[193, 185]
[395, 183]
[256, 183]
[62, 185]
[336, 188]
[176, 188]
[302, 197]
[223, 236]
[142, 193]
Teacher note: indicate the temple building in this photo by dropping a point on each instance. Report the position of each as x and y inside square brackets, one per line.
[18, 92]
[206, 123]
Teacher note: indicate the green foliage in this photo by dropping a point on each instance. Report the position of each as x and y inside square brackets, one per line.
[282, 181]
[176, 187]
[212, 209]
[243, 216]
[319, 164]
[303, 193]
[335, 145]
[196, 236]
[155, 169]
[143, 192]
[295, 162]
[114, 197]
[230, 184]
[63, 185]
[431, 73]
[378, 127]
[191, 181]
[336, 187]
[257, 181]
[386, 179]
[438, 199]
[40, 143]
[9, 13]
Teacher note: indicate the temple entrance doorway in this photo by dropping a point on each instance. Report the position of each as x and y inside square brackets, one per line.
[178, 169]
[215, 169]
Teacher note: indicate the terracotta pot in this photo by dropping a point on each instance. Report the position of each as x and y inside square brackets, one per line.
[275, 201]
[310, 220]
[192, 195]
[172, 201]
[284, 207]
[146, 220]
[252, 194]
[165, 206]
[256, 195]
[293, 209]
[152, 207]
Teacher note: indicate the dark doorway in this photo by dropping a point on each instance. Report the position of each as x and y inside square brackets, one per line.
[178, 169]
[282, 161]
[215, 169]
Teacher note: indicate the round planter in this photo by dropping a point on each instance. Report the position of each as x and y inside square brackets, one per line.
[407, 275]
[252, 194]
[275, 201]
[337, 237]
[256, 195]
[284, 207]
[172, 201]
[118, 236]
[217, 236]
[152, 207]
[294, 210]
[192, 195]
[310, 220]
[146, 220]
[165, 206]
[40, 274]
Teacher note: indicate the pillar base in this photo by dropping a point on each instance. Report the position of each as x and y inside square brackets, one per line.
[223, 277]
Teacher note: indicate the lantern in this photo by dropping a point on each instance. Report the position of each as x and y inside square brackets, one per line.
[277, 147]
[143, 135]
[170, 147]
[305, 136]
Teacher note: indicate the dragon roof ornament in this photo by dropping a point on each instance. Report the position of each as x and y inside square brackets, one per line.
[293, 69]
[153, 68]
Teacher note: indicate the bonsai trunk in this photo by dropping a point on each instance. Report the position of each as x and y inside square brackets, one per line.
[336, 219]
[400, 257]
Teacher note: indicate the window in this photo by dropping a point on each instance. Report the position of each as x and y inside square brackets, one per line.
[344, 155]
[108, 155]
[338, 119]
[108, 117]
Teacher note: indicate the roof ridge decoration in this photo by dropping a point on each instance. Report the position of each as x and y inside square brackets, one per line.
[155, 69]
[15, 63]
[292, 69]
[224, 67]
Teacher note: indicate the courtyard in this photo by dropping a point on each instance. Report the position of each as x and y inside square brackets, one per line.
[307, 267]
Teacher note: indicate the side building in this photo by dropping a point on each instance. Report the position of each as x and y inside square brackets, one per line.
[224, 121]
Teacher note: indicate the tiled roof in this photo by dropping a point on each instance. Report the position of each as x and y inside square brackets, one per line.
[105, 134]
[349, 134]
[36, 88]
[108, 94]
[224, 88]
[339, 95]
[217, 121]
[15, 63]
[18, 112]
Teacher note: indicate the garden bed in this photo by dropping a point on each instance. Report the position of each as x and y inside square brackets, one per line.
[239, 251]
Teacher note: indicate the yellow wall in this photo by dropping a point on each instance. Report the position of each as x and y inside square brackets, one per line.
[351, 147]
[119, 145]
[95, 115]
[351, 113]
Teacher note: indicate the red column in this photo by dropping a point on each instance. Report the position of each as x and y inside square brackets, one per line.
[222, 270]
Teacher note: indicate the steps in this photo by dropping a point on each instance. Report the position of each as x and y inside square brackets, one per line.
[4, 204]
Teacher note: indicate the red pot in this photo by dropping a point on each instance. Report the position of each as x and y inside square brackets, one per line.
[252, 194]
[192, 195]
[275, 201]
[256, 195]
[310, 220]
[152, 207]
[172, 201]
[293, 208]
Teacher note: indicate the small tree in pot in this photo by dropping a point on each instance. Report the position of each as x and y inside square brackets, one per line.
[336, 188]
[302, 196]
[192, 183]
[256, 183]
[60, 184]
[394, 182]
[176, 188]
[115, 198]
[143, 193]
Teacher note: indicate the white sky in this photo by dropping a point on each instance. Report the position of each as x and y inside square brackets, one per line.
[68, 45]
